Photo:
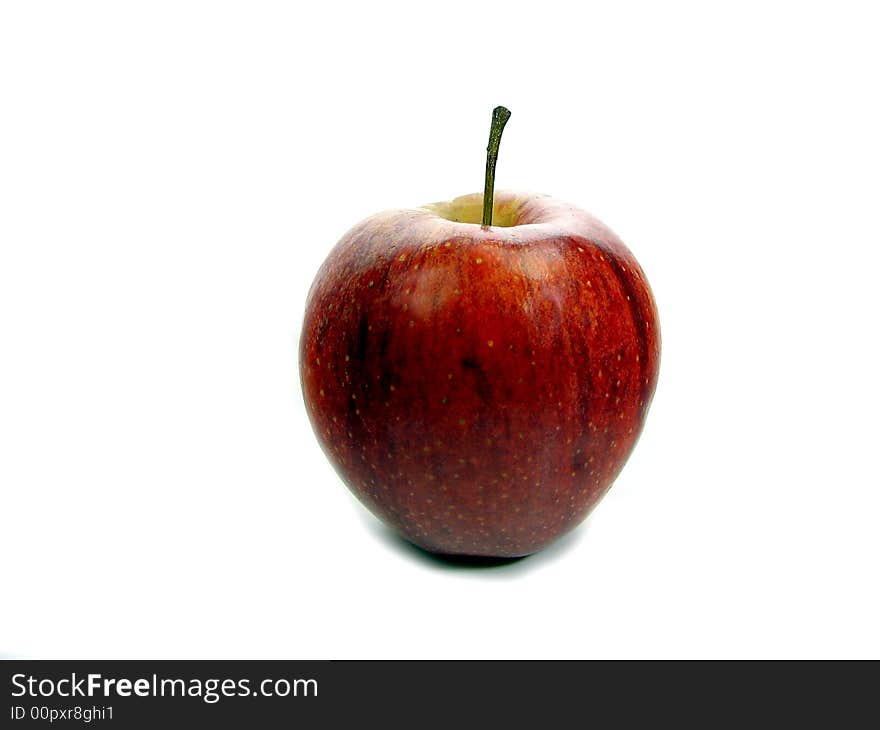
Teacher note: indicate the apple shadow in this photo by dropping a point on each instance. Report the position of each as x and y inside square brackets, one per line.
[474, 563]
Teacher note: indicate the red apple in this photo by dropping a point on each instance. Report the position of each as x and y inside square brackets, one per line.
[480, 387]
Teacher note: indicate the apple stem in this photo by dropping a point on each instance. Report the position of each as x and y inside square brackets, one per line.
[500, 115]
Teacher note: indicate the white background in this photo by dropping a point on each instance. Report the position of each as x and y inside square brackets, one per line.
[172, 174]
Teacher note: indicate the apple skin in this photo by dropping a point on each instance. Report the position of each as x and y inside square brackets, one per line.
[479, 389]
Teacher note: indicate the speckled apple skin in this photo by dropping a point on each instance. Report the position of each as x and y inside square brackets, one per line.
[479, 389]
